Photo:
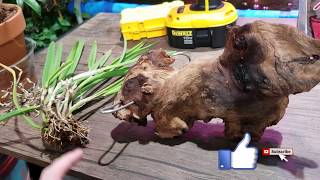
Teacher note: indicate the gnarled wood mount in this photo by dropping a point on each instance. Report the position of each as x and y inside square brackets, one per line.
[247, 86]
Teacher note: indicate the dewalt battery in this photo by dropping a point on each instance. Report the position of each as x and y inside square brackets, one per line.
[203, 24]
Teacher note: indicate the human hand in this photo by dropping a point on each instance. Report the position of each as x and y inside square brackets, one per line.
[59, 167]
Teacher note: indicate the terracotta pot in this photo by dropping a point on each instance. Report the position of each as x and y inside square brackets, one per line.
[12, 43]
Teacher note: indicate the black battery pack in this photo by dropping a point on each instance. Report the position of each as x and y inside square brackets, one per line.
[203, 37]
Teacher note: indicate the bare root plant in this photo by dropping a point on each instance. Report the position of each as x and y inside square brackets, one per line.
[63, 92]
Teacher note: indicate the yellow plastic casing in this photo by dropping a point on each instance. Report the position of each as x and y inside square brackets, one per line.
[202, 19]
[146, 22]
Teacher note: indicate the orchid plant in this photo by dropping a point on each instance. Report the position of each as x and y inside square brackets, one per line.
[62, 91]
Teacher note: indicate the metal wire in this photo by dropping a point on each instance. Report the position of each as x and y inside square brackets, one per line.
[112, 109]
[183, 54]
[111, 106]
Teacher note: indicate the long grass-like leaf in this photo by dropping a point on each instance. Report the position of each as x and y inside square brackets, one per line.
[134, 52]
[136, 47]
[57, 63]
[69, 59]
[15, 98]
[104, 75]
[103, 60]
[17, 112]
[91, 82]
[103, 91]
[76, 59]
[113, 89]
[34, 5]
[48, 64]
[57, 73]
[122, 56]
[131, 54]
[85, 75]
[92, 56]
[97, 95]
[125, 46]
[58, 57]
[73, 57]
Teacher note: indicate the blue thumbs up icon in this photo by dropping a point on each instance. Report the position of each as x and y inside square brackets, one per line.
[243, 157]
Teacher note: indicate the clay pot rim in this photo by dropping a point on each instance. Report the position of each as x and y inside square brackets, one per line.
[30, 51]
[12, 27]
[15, 15]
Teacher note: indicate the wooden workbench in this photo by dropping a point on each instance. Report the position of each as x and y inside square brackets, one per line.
[193, 156]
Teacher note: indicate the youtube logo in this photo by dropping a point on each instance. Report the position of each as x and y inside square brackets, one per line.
[276, 151]
[265, 151]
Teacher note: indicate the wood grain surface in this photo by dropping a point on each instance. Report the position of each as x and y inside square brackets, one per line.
[136, 153]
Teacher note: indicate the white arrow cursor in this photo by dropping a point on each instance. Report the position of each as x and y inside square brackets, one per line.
[283, 157]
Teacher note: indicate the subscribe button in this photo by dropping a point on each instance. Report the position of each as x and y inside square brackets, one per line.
[276, 151]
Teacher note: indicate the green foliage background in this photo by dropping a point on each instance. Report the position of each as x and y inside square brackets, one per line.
[46, 19]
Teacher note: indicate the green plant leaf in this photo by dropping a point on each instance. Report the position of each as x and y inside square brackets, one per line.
[57, 73]
[103, 60]
[92, 56]
[34, 5]
[55, 27]
[57, 64]
[64, 22]
[82, 76]
[24, 110]
[132, 55]
[97, 95]
[92, 81]
[20, 3]
[48, 64]
[15, 97]
[69, 59]
[58, 59]
[112, 91]
[43, 1]
[110, 88]
[125, 46]
[86, 15]
[136, 47]
[73, 57]
[123, 54]
[134, 52]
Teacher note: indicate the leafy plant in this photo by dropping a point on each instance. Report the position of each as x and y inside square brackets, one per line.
[46, 19]
[46, 29]
[33, 4]
[63, 92]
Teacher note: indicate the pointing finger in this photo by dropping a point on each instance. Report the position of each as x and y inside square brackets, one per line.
[61, 166]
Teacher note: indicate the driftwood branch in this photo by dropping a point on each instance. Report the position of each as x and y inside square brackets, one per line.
[247, 86]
